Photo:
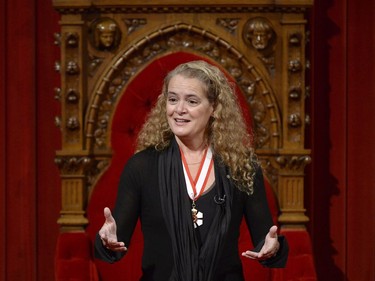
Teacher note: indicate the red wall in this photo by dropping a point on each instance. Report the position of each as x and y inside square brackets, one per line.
[341, 181]
[29, 185]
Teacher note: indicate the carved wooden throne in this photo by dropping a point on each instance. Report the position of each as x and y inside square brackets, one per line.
[114, 56]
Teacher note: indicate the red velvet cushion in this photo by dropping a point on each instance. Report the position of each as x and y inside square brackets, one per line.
[74, 260]
[300, 265]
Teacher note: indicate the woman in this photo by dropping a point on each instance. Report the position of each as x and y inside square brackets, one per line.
[193, 179]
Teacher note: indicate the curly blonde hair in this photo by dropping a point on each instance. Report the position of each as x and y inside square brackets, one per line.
[226, 132]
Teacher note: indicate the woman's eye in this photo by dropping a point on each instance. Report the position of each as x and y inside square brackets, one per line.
[172, 100]
[193, 102]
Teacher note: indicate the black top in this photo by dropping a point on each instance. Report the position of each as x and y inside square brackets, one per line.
[139, 197]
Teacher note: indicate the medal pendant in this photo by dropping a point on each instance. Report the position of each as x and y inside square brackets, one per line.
[196, 187]
[197, 217]
[194, 213]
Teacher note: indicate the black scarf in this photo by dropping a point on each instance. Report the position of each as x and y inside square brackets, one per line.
[191, 262]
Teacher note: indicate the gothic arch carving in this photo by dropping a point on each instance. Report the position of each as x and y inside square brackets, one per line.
[185, 38]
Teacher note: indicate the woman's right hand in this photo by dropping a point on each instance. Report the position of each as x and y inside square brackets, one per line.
[108, 233]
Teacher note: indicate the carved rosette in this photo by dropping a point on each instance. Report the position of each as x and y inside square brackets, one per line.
[230, 24]
[134, 23]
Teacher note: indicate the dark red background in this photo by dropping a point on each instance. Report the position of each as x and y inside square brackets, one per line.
[341, 178]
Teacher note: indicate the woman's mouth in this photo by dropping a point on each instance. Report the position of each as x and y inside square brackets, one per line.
[179, 120]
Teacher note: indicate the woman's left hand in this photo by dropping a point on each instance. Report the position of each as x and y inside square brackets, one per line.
[269, 249]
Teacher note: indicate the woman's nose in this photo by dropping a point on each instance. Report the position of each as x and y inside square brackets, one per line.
[180, 108]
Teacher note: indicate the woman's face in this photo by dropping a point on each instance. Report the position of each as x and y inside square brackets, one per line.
[188, 109]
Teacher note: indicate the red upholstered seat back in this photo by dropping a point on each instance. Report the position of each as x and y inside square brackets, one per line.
[73, 258]
[131, 111]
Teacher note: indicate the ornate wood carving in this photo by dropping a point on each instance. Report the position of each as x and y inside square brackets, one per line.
[188, 38]
[95, 73]
[231, 24]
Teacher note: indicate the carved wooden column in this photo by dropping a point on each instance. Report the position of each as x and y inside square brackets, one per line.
[74, 191]
[72, 159]
[294, 156]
